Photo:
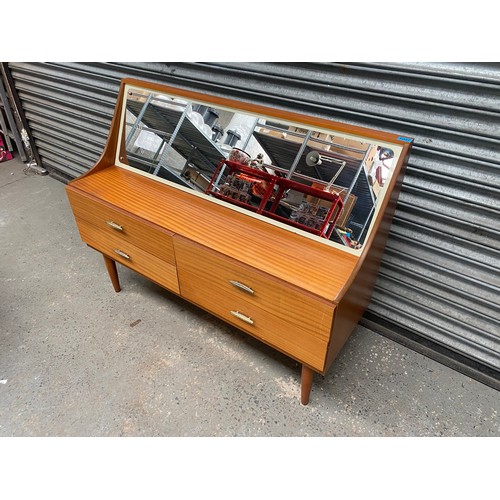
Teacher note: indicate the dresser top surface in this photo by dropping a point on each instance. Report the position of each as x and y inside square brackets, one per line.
[311, 265]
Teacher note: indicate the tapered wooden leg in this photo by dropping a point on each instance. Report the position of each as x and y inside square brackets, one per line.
[306, 384]
[113, 274]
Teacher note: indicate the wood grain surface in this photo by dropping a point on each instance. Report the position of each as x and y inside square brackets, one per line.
[160, 271]
[139, 232]
[309, 264]
[282, 316]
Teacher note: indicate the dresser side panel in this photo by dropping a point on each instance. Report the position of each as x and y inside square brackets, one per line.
[358, 292]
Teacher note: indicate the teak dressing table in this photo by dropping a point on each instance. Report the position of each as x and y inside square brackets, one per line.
[173, 197]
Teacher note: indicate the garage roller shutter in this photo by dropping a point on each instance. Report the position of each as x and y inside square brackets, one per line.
[440, 278]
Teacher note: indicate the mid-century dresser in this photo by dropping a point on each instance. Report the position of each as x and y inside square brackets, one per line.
[273, 221]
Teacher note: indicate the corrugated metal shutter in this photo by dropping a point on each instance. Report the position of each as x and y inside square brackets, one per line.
[440, 276]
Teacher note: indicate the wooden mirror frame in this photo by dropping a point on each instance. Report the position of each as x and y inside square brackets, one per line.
[398, 144]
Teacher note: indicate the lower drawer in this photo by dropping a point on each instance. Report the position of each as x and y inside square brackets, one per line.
[294, 323]
[122, 251]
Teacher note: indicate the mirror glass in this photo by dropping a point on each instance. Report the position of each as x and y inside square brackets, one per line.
[325, 183]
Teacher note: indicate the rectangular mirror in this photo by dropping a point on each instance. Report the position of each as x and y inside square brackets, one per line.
[322, 182]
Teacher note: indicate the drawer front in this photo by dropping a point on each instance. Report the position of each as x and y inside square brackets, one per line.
[121, 250]
[139, 233]
[284, 317]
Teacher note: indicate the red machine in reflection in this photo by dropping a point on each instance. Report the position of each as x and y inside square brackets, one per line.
[287, 201]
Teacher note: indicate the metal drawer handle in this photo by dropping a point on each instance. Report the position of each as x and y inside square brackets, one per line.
[241, 286]
[241, 316]
[114, 225]
[121, 254]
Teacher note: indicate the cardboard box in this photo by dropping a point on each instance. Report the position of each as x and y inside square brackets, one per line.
[285, 134]
[348, 206]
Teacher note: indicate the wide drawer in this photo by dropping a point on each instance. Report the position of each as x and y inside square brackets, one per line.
[121, 250]
[113, 221]
[288, 319]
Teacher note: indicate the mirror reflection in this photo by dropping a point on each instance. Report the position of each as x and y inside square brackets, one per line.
[320, 182]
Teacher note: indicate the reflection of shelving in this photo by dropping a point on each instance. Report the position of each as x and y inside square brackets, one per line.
[285, 149]
[317, 213]
[188, 140]
[283, 153]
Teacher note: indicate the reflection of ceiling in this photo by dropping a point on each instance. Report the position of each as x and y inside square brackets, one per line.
[283, 153]
[189, 141]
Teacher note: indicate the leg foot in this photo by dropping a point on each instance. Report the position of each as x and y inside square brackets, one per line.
[306, 384]
[113, 274]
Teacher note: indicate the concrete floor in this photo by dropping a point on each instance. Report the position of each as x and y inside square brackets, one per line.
[77, 359]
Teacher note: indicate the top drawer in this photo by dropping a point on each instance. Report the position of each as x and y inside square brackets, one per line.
[139, 232]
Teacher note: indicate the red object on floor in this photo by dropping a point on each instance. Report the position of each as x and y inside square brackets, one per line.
[5, 154]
